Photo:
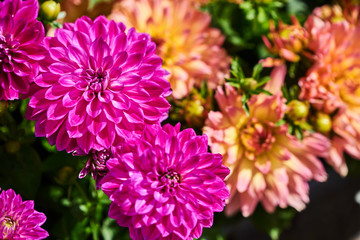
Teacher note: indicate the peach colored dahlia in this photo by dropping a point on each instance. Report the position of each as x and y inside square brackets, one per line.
[189, 47]
[332, 84]
[267, 164]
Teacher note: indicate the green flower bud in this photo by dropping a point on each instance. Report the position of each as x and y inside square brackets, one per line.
[249, 84]
[297, 110]
[322, 123]
[50, 10]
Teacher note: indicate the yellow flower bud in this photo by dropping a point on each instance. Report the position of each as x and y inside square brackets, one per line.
[297, 110]
[50, 10]
[322, 123]
[250, 84]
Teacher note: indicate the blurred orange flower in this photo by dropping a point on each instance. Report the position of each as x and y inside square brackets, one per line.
[332, 84]
[190, 48]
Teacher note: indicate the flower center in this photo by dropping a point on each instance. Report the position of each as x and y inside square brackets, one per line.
[170, 179]
[350, 89]
[9, 226]
[165, 49]
[256, 138]
[97, 80]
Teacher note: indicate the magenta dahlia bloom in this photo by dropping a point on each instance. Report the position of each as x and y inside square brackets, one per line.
[98, 87]
[21, 37]
[167, 186]
[18, 219]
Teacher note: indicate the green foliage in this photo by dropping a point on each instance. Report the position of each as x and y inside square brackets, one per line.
[273, 224]
[247, 86]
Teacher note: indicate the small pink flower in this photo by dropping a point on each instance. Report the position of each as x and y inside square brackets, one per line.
[18, 219]
[190, 48]
[98, 87]
[167, 186]
[267, 164]
[21, 37]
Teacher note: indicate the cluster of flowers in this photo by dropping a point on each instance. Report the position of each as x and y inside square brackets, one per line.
[327, 43]
[101, 88]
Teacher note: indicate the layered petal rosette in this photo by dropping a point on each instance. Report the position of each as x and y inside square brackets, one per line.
[18, 219]
[267, 164]
[332, 84]
[98, 87]
[167, 186]
[190, 48]
[21, 37]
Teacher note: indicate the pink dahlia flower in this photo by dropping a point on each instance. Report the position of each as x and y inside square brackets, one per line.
[190, 48]
[267, 164]
[98, 86]
[18, 219]
[332, 84]
[21, 37]
[167, 186]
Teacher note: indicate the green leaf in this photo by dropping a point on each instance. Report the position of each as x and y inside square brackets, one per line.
[236, 85]
[245, 105]
[204, 90]
[236, 69]
[298, 133]
[263, 80]
[285, 93]
[266, 92]
[261, 17]
[280, 122]
[257, 70]
[306, 126]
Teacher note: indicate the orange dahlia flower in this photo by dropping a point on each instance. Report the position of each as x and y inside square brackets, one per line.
[267, 164]
[190, 48]
[332, 84]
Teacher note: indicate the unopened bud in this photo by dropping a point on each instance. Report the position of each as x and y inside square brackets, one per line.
[250, 84]
[297, 110]
[50, 10]
[322, 123]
